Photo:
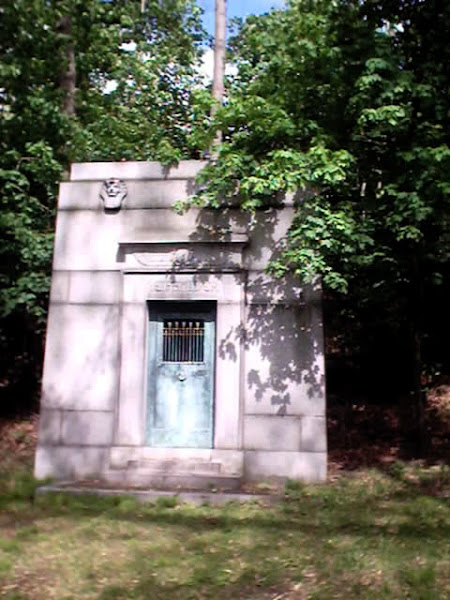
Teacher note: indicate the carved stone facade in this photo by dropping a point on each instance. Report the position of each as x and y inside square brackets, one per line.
[125, 263]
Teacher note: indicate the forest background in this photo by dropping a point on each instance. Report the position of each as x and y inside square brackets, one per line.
[347, 99]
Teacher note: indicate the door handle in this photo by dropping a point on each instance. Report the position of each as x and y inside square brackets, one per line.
[181, 377]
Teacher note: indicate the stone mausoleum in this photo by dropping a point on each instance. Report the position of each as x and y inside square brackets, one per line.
[172, 357]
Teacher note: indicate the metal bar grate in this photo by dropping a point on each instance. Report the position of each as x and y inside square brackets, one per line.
[183, 341]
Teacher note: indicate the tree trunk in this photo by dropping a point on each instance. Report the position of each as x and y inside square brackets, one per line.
[421, 437]
[219, 59]
[67, 79]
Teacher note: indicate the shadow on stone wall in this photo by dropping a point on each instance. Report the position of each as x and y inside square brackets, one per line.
[281, 328]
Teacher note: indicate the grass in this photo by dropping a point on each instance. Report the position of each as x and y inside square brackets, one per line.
[369, 535]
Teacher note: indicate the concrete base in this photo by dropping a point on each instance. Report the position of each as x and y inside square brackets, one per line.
[143, 466]
[185, 468]
[153, 496]
[175, 481]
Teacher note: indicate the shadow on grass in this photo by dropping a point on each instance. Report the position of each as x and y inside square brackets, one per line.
[374, 507]
[248, 551]
[322, 512]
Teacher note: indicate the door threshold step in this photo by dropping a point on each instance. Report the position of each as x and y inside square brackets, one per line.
[173, 479]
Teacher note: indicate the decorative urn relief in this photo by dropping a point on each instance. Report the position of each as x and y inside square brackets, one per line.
[113, 193]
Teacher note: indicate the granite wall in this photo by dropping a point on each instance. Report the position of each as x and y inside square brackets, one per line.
[269, 401]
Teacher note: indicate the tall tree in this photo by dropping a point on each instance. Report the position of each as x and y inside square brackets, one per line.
[68, 78]
[219, 58]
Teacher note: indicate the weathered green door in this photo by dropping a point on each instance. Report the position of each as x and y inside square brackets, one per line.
[180, 374]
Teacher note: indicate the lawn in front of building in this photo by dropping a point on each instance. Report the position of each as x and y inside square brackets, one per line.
[370, 535]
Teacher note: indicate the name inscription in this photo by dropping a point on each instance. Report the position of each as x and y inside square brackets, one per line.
[185, 286]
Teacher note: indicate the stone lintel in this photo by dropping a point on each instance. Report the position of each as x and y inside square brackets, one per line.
[232, 238]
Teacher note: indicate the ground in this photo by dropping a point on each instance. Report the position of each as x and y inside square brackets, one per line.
[365, 534]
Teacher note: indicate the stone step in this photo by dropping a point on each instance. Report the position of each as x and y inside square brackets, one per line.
[174, 473]
[213, 497]
[172, 479]
[175, 468]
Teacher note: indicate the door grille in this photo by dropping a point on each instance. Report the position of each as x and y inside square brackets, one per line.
[183, 341]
